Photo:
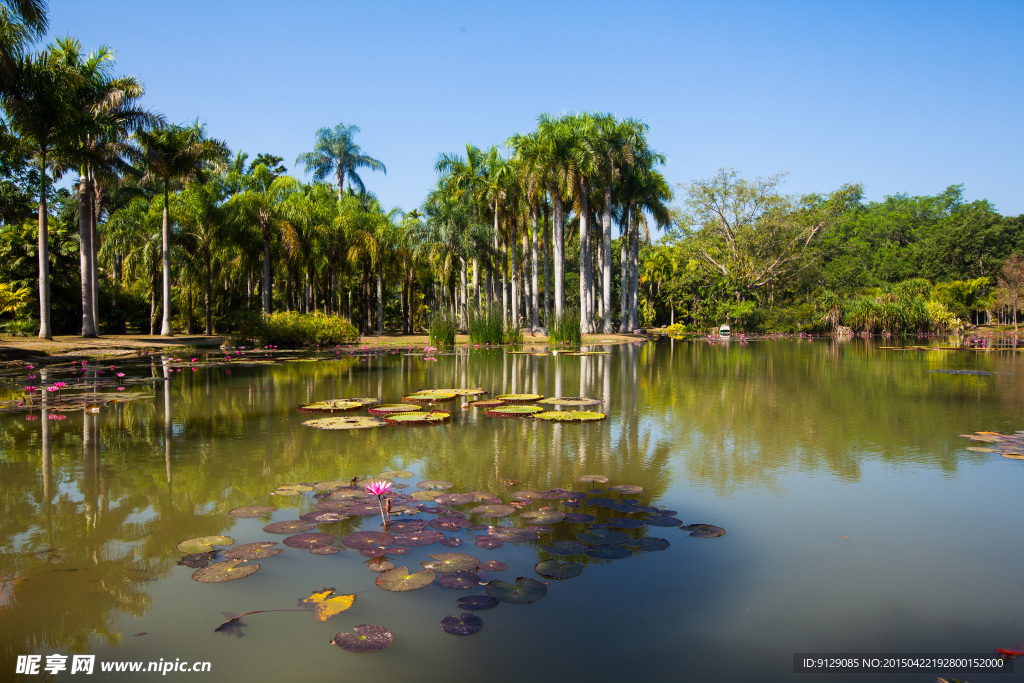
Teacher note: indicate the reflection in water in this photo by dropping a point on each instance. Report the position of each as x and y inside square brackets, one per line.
[94, 504]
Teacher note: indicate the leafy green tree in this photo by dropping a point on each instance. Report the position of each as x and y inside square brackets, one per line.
[335, 152]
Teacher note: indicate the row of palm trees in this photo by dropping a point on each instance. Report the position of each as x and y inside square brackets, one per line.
[499, 216]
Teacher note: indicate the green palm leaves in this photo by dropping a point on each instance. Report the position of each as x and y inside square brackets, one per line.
[335, 152]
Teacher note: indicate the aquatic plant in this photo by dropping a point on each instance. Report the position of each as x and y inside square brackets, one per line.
[565, 328]
[379, 488]
[442, 330]
[570, 416]
[513, 411]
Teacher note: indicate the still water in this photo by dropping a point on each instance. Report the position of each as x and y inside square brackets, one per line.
[857, 520]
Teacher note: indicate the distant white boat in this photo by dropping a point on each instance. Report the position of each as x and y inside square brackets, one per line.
[724, 331]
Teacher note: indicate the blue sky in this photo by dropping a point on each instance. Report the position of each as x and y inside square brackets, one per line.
[904, 97]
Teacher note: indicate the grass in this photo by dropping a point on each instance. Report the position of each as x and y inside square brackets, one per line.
[565, 328]
[442, 330]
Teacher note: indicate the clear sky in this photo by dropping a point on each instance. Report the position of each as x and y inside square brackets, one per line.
[902, 96]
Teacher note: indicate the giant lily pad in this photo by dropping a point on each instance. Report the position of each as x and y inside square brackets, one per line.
[451, 562]
[253, 551]
[203, 544]
[486, 403]
[415, 538]
[523, 592]
[228, 570]
[309, 541]
[543, 516]
[570, 416]
[363, 400]
[392, 408]
[435, 485]
[434, 417]
[608, 552]
[330, 406]
[466, 625]
[399, 579]
[368, 540]
[463, 392]
[477, 603]
[704, 530]
[493, 511]
[429, 396]
[519, 398]
[365, 638]
[251, 511]
[553, 569]
[460, 580]
[514, 411]
[575, 401]
[345, 422]
[295, 526]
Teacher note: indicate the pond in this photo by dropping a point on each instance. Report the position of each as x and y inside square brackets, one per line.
[856, 518]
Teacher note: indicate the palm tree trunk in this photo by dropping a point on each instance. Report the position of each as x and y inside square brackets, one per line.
[494, 280]
[476, 283]
[94, 219]
[606, 261]
[634, 270]
[558, 246]
[208, 330]
[505, 313]
[463, 293]
[165, 240]
[514, 282]
[599, 272]
[585, 314]
[380, 298]
[548, 291]
[85, 256]
[45, 331]
[534, 301]
[267, 284]
[624, 271]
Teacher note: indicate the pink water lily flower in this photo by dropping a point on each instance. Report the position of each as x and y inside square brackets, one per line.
[379, 488]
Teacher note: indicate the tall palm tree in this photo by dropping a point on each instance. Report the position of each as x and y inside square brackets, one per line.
[20, 22]
[176, 154]
[550, 160]
[334, 152]
[464, 180]
[200, 211]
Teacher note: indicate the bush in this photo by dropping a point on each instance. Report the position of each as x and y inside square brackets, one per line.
[294, 329]
[565, 329]
[676, 330]
[442, 330]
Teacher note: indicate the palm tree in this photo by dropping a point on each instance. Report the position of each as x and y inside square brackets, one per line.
[20, 22]
[132, 245]
[201, 212]
[549, 159]
[334, 152]
[172, 154]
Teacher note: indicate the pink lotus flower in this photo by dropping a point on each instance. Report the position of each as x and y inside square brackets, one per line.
[120, 388]
[378, 488]
[194, 360]
[31, 417]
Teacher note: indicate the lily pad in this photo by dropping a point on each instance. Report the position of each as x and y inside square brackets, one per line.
[451, 562]
[519, 398]
[450, 523]
[345, 422]
[579, 518]
[333, 606]
[543, 516]
[460, 580]
[608, 552]
[228, 570]
[392, 408]
[426, 495]
[704, 530]
[570, 416]
[493, 511]
[510, 534]
[628, 489]
[624, 523]
[417, 538]
[647, 544]
[565, 548]
[477, 603]
[203, 544]
[463, 392]
[449, 542]
[294, 526]
[434, 417]
[466, 625]
[487, 542]
[365, 638]
[486, 403]
[399, 579]
[363, 400]
[523, 592]
[396, 474]
[368, 540]
[251, 511]
[514, 411]
[600, 501]
[323, 517]
[434, 485]
[325, 550]
[379, 565]
[198, 560]
[662, 520]
[430, 396]
[553, 569]
[330, 406]
[253, 551]
[593, 478]
[455, 499]
[575, 401]
[597, 535]
[309, 541]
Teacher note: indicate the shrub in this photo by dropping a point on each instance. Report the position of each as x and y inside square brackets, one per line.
[442, 330]
[294, 329]
[565, 328]
[675, 330]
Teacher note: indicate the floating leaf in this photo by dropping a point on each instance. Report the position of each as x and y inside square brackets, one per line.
[430, 396]
[451, 562]
[570, 416]
[704, 530]
[366, 638]
[323, 517]
[487, 542]
[466, 625]
[543, 516]
[553, 569]
[519, 398]
[523, 592]
[579, 517]
[527, 495]
[608, 552]
[203, 544]
[514, 411]
[492, 566]
[628, 489]
[330, 406]
[600, 501]
[392, 474]
[577, 401]
[309, 541]
[450, 523]
[624, 523]
[565, 548]
[251, 511]
[316, 598]
[253, 551]
[368, 540]
[451, 542]
[593, 478]
[455, 499]
[477, 603]
[333, 485]
[463, 392]
[647, 544]
[460, 580]
[662, 520]
[333, 606]
[228, 570]
[598, 535]
[393, 408]
[325, 550]
[416, 538]
[345, 422]
[493, 511]
[399, 579]
[510, 534]
[434, 485]
[434, 417]
[488, 403]
[294, 526]
[193, 560]
[426, 495]
[379, 565]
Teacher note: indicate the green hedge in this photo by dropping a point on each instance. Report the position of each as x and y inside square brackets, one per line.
[296, 329]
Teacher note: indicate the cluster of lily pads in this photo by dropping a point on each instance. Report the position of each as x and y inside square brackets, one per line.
[70, 387]
[1007, 445]
[410, 411]
[567, 528]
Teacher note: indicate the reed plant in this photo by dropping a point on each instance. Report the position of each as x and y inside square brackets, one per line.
[485, 326]
[442, 330]
[565, 328]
